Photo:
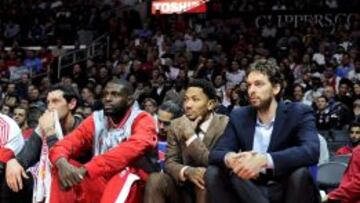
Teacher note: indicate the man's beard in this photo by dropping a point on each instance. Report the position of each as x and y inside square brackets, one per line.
[117, 111]
[264, 105]
[162, 135]
[21, 125]
[354, 143]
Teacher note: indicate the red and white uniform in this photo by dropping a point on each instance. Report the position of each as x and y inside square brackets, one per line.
[115, 148]
[11, 139]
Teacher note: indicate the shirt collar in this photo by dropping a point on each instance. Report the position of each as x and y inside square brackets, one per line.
[206, 124]
[112, 124]
[259, 124]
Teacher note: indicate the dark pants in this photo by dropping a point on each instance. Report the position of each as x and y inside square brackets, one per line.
[161, 188]
[23, 196]
[298, 187]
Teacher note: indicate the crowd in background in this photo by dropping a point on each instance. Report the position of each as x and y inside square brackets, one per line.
[159, 55]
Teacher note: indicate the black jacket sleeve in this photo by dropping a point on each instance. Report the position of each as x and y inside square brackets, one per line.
[30, 154]
[51, 140]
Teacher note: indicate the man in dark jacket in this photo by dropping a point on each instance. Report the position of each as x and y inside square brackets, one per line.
[267, 147]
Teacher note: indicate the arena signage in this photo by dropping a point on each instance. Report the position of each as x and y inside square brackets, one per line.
[178, 6]
[323, 20]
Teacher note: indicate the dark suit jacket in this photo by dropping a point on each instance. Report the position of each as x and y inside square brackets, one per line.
[293, 144]
[196, 154]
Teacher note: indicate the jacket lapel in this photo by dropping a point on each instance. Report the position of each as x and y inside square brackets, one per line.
[278, 124]
[213, 131]
[247, 131]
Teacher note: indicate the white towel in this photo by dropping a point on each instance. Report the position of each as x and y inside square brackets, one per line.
[42, 181]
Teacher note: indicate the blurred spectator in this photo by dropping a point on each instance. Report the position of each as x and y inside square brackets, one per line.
[21, 118]
[6, 110]
[219, 85]
[33, 62]
[235, 100]
[354, 138]
[88, 98]
[356, 88]
[298, 94]
[319, 57]
[340, 116]
[150, 106]
[166, 113]
[24, 103]
[347, 190]
[323, 117]
[11, 30]
[345, 66]
[354, 75]
[159, 89]
[315, 91]
[79, 76]
[11, 100]
[34, 98]
[329, 93]
[176, 93]
[22, 86]
[235, 75]
[356, 110]
[344, 93]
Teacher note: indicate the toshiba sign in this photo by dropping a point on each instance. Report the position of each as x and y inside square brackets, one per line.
[178, 6]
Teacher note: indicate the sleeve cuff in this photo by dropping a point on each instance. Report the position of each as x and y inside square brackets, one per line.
[227, 164]
[270, 162]
[95, 167]
[182, 171]
[53, 159]
[6, 155]
[51, 140]
[190, 140]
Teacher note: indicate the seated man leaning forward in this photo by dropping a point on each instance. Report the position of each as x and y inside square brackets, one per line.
[120, 136]
[189, 140]
[267, 147]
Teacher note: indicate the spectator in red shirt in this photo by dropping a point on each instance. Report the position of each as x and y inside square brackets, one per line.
[354, 135]
[349, 189]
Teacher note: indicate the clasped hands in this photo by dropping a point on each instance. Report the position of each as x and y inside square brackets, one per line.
[246, 165]
[69, 175]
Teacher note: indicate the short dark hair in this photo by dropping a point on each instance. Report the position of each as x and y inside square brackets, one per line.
[324, 97]
[354, 124]
[127, 87]
[206, 86]
[23, 108]
[268, 68]
[299, 85]
[91, 90]
[345, 81]
[271, 70]
[151, 100]
[171, 107]
[69, 92]
[35, 113]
